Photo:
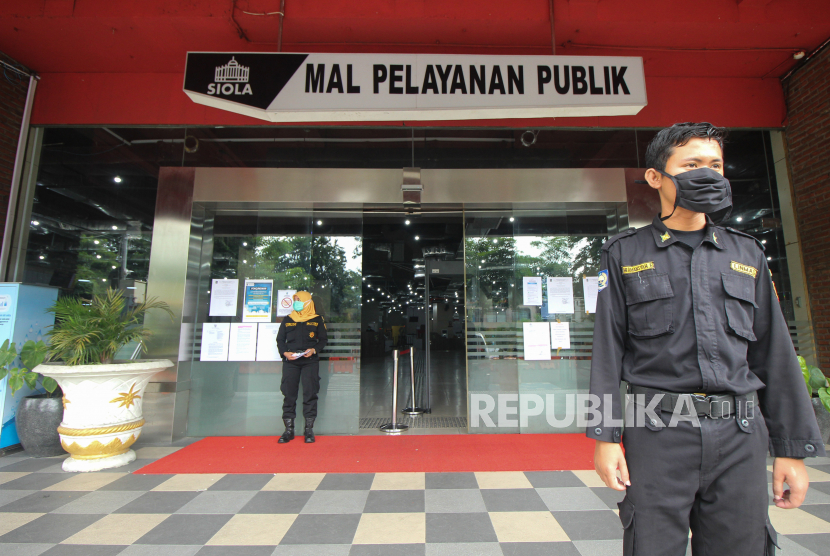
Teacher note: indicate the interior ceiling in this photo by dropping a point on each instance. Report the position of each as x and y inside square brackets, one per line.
[688, 38]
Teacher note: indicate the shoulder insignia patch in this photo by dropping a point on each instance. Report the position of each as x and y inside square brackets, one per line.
[665, 237]
[638, 268]
[602, 280]
[744, 269]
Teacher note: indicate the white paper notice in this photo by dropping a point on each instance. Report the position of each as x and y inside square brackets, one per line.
[560, 295]
[285, 301]
[591, 289]
[215, 338]
[243, 342]
[532, 290]
[223, 297]
[536, 341]
[560, 335]
[266, 342]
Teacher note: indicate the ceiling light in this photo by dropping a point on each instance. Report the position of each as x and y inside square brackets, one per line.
[103, 279]
[769, 258]
[495, 241]
[117, 179]
[763, 241]
[42, 257]
[97, 256]
[35, 223]
[244, 260]
[406, 222]
[512, 219]
[417, 238]
[114, 267]
[319, 222]
[739, 219]
[244, 244]
[96, 242]
[115, 227]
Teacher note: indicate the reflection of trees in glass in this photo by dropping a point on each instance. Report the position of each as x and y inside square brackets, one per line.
[97, 255]
[315, 264]
[138, 257]
[568, 256]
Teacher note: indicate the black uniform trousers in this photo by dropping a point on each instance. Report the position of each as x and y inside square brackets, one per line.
[307, 371]
[712, 479]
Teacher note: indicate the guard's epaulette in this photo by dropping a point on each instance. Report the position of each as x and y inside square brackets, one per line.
[740, 233]
[621, 235]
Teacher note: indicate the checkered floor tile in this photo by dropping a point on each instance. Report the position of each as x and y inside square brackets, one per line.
[44, 510]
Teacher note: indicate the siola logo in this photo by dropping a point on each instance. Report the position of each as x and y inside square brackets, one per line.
[228, 79]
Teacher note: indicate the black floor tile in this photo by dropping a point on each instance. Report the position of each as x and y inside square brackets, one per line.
[42, 502]
[513, 500]
[819, 510]
[539, 549]
[185, 529]
[50, 528]
[236, 551]
[394, 501]
[322, 529]
[820, 543]
[136, 482]
[241, 482]
[591, 525]
[84, 550]
[609, 496]
[157, 503]
[451, 480]
[475, 527]
[283, 502]
[347, 481]
[32, 464]
[388, 550]
[35, 481]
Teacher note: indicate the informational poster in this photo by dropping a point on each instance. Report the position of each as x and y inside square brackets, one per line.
[531, 290]
[560, 295]
[590, 285]
[224, 295]
[242, 346]
[285, 300]
[266, 342]
[560, 335]
[215, 340]
[536, 341]
[257, 304]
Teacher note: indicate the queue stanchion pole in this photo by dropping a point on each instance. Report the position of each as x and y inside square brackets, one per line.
[394, 427]
[412, 409]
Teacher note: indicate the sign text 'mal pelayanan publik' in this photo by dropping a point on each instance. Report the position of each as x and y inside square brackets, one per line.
[382, 87]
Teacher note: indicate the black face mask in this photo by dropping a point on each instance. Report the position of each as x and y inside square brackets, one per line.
[702, 190]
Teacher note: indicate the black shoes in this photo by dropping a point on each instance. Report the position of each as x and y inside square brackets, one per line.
[288, 435]
[309, 433]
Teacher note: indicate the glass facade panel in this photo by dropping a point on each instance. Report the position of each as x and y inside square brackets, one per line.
[298, 250]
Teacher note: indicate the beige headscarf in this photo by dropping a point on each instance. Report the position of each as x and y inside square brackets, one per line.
[308, 310]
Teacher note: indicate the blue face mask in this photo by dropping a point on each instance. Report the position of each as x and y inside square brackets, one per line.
[298, 306]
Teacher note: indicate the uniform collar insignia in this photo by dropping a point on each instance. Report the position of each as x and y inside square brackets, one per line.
[665, 237]
[714, 237]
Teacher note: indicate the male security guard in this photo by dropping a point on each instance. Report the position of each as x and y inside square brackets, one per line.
[688, 316]
[300, 339]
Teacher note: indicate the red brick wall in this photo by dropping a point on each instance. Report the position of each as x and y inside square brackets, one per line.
[808, 141]
[13, 89]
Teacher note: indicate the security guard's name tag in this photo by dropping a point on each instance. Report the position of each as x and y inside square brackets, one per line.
[311, 323]
[744, 269]
[290, 324]
[638, 268]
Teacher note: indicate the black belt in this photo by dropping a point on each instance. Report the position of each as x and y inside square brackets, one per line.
[715, 406]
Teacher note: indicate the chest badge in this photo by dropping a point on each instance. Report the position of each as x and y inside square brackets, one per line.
[743, 268]
[311, 334]
[665, 237]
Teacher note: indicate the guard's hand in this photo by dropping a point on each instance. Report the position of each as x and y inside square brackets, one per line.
[608, 457]
[794, 473]
[310, 352]
[289, 355]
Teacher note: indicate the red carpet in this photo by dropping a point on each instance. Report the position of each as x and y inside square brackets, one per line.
[381, 454]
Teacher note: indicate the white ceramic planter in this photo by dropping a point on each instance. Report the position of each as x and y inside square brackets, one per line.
[102, 410]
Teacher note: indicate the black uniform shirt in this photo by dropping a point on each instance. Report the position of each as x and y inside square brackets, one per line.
[296, 337]
[702, 319]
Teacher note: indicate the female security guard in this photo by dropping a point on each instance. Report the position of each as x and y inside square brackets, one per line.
[300, 339]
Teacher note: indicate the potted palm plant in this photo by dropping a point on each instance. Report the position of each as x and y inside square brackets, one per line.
[819, 390]
[102, 398]
[38, 415]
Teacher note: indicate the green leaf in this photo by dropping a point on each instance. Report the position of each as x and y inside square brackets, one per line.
[33, 353]
[824, 396]
[15, 382]
[817, 378]
[49, 384]
[31, 379]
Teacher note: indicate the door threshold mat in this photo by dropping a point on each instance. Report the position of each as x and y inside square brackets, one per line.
[419, 422]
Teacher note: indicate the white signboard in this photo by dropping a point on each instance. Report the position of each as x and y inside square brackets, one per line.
[266, 342]
[536, 341]
[242, 345]
[560, 335]
[532, 290]
[256, 307]
[560, 295]
[215, 339]
[289, 87]
[224, 295]
[590, 285]
[285, 300]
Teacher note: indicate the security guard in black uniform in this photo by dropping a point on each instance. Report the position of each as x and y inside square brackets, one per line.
[300, 339]
[688, 316]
